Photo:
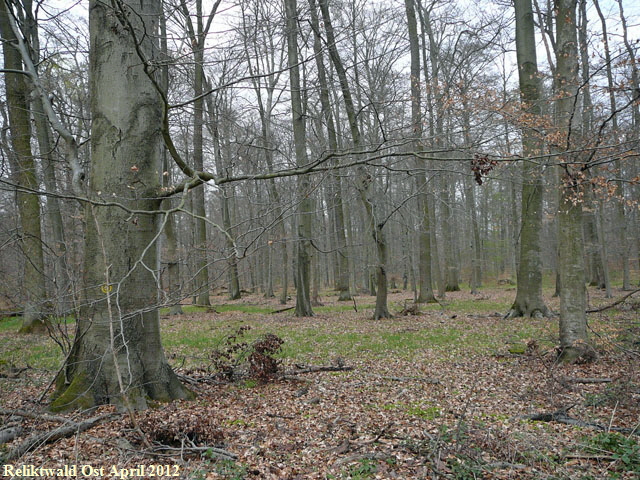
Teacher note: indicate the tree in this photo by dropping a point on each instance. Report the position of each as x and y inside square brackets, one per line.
[117, 357]
[573, 300]
[373, 223]
[335, 204]
[305, 205]
[198, 36]
[529, 300]
[24, 171]
[424, 237]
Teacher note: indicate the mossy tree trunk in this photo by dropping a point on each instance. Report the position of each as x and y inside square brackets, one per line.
[573, 299]
[118, 356]
[529, 301]
[24, 173]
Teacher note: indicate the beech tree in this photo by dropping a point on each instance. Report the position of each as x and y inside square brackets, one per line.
[529, 300]
[573, 299]
[17, 90]
[117, 357]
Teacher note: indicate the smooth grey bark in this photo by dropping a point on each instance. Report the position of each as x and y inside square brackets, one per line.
[117, 357]
[470, 201]
[305, 205]
[424, 235]
[573, 301]
[635, 109]
[529, 301]
[364, 180]
[23, 166]
[595, 270]
[450, 279]
[452, 273]
[224, 167]
[227, 195]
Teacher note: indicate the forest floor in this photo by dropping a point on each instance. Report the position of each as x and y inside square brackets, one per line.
[449, 392]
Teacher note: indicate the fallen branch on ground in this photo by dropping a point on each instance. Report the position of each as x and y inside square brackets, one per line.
[39, 439]
[282, 310]
[611, 305]
[38, 416]
[587, 380]
[212, 452]
[10, 433]
[561, 416]
[319, 368]
[15, 373]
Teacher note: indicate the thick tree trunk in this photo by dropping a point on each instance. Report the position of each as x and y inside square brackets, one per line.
[17, 93]
[573, 300]
[118, 357]
[529, 300]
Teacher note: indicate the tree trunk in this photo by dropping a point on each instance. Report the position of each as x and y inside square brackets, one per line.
[529, 300]
[424, 235]
[17, 93]
[573, 300]
[335, 206]
[305, 205]
[363, 179]
[173, 287]
[620, 222]
[118, 357]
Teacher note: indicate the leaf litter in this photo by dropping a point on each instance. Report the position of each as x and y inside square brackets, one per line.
[432, 395]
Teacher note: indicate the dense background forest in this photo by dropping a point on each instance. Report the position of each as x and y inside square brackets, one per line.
[398, 234]
[311, 147]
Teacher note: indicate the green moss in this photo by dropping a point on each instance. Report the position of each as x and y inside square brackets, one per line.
[75, 396]
[36, 326]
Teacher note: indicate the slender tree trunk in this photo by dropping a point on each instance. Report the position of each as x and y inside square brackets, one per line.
[424, 235]
[17, 94]
[620, 227]
[118, 357]
[173, 261]
[470, 199]
[336, 205]
[305, 205]
[363, 180]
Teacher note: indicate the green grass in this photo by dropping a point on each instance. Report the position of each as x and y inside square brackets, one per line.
[10, 324]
